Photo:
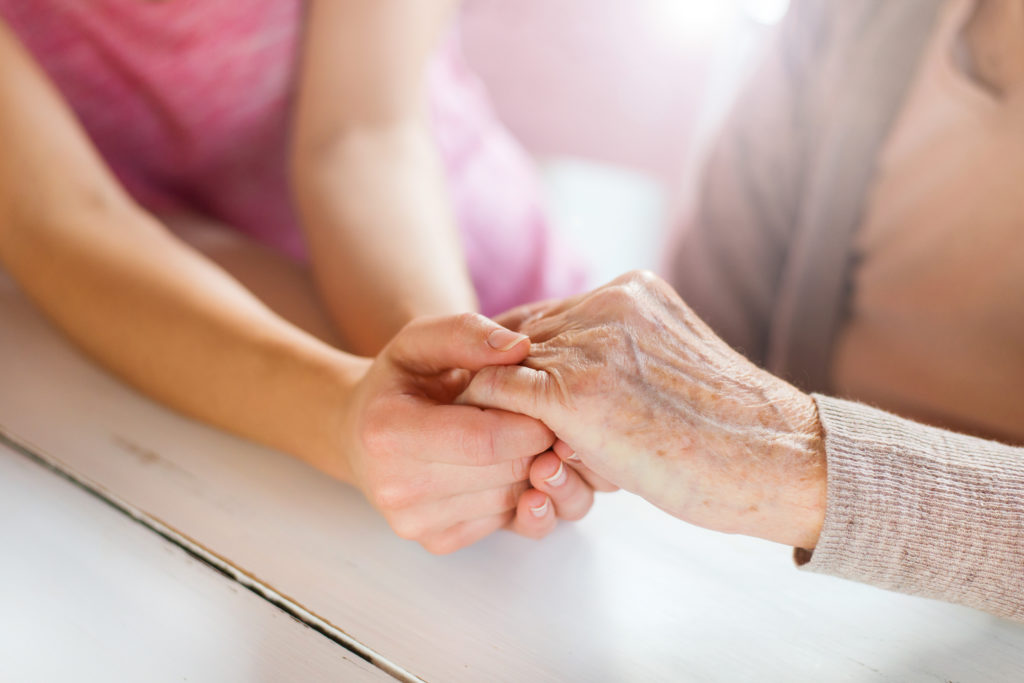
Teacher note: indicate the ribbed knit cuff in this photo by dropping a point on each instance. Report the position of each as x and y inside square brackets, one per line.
[921, 510]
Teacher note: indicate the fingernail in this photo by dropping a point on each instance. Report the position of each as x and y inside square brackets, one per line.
[503, 340]
[572, 456]
[540, 510]
[558, 478]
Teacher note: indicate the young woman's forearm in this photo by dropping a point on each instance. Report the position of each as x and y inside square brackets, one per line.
[136, 298]
[174, 325]
[384, 242]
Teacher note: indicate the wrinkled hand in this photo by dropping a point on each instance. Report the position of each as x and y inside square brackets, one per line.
[444, 475]
[644, 394]
[560, 489]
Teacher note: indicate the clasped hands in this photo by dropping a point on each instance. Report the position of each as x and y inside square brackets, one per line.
[463, 426]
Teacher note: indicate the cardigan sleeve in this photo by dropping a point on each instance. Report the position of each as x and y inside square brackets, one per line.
[921, 510]
[727, 259]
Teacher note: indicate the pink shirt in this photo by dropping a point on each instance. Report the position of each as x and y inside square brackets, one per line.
[189, 104]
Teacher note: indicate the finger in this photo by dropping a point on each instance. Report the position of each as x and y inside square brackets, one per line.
[431, 518]
[565, 451]
[554, 307]
[543, 325]
[569, 456]
[571, 496]
[440, 482]
[595, 481]
[465, 435]
[516, 389]
[548, 327]
[465, 533]
[469, 340]
[445, 386]
[444, 480]
[535, 515]
[514, 318]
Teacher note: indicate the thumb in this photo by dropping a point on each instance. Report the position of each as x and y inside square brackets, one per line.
[467, 340]
[514, 388]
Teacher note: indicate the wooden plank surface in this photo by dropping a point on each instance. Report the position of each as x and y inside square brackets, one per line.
[88, 594]
[627, 594]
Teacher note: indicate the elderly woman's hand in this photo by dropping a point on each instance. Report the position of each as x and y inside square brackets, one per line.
[645, 395]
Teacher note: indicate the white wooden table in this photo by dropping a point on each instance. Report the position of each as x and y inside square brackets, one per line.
[86, 593]
[628, 594]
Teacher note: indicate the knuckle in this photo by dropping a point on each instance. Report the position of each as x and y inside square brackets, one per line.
[466, 324]
[478, 445]
[645, 276]
[627, 290]
[408, 527]
[641, 278]
[393, 495]
[377, 445]
[441, 545]
[508, 497]
[521, 468]
[615, 296]
[377, 435]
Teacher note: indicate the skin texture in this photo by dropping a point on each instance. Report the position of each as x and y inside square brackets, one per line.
[179, 319]
[646, 396]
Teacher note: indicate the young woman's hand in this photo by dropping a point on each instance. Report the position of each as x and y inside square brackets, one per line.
[443, 475]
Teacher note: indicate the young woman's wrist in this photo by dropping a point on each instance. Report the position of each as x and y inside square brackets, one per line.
[319, 412]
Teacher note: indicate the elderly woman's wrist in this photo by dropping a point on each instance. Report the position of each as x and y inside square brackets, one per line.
[791, 474]
[808, 495]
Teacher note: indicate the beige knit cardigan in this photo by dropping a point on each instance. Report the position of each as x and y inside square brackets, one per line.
[767, 261]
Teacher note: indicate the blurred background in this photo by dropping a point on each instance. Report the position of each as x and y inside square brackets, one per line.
[617, 100]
